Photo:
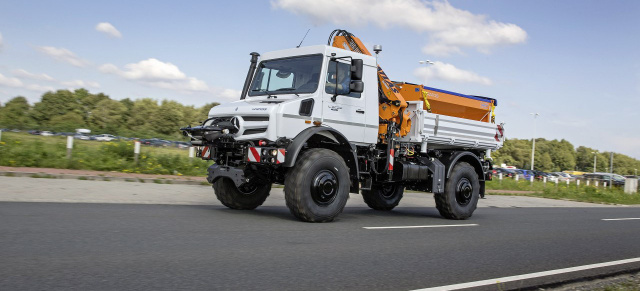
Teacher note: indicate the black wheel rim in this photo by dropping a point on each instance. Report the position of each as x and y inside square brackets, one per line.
[464, 191]
[247, 189]
[388, 190]
[324, 188]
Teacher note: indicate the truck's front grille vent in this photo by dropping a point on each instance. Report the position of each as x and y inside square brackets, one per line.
[306, 107]
[254, 130]
[255, 118]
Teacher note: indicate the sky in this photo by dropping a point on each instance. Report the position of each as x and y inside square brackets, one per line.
[576, 63]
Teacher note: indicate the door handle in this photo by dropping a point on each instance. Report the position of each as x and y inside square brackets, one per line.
[360, 111]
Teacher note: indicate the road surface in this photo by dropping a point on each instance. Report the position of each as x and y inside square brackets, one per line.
[192, 242]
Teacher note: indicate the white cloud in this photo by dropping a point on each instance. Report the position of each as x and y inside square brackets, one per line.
[10, 82]
[16, 83]
[39, 88]
[108, 29]
[449, 29]
[27, 75]
[153, 72]
[80, 84]
[64, 55]
[449, 72]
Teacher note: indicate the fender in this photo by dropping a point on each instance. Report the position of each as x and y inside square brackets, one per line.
[466, 157]
[346, 150]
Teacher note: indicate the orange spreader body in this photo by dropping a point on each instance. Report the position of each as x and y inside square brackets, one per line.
[448, 103]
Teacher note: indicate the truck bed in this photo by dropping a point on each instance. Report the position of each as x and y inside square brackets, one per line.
[448, 132]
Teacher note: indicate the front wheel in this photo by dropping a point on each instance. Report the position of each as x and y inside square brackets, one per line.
[245, 197]
[383, 196]
[461, 192]
[316, 189]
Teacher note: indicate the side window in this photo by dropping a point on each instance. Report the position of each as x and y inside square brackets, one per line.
[342, 77]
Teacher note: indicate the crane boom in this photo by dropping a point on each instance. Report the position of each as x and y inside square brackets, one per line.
[391, 103]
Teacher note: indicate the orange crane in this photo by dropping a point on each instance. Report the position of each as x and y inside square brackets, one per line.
[393, 96]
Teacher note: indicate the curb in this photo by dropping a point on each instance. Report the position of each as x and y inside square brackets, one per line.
[102, 178]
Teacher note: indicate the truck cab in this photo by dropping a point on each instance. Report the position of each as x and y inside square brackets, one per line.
[295, 89]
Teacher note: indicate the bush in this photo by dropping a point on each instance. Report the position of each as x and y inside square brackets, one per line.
[22, 150]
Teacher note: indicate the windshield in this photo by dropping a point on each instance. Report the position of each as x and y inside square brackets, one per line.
[287, 76]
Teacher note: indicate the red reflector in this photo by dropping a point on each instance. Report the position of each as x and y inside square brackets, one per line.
[262, 143]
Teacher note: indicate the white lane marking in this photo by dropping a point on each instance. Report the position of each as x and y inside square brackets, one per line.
[530, 276]
[615, 219]
[416, 226]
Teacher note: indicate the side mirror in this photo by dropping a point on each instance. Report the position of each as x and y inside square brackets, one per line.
[356, 69]
[356, 86]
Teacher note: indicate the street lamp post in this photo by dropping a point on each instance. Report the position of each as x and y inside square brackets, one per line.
[594, 161]
[533, 148]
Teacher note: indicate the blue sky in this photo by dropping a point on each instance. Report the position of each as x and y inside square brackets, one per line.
[577, 63]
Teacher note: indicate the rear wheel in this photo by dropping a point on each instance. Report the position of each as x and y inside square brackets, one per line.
[317, 187]
[461, 192]
[245, 197]
[384, 196]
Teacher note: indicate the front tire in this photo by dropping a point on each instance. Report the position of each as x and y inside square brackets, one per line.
[317, 187]
[383, 196]
[461, 193]
[246, 197]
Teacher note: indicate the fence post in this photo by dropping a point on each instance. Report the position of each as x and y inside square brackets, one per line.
[557, 180]
[136, 151]
[192, 152]
[577, 183]
[544, 181]
[517, 177]
[531, 180]
[0, 135]
[587, 182]
[596, 183]
[69, 146]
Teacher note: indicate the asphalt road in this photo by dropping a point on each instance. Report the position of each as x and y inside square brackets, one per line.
[96, 246]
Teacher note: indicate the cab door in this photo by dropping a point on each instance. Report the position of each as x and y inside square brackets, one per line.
[341, 109]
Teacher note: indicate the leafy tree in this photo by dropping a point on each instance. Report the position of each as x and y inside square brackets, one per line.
[169, 118]
[108, 116]
[142, 112]
[67, 123]
[15, 114]
[53, 104]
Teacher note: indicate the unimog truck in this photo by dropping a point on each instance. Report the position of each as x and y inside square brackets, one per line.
[326, 121]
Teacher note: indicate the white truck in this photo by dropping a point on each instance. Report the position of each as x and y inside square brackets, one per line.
[311, 119]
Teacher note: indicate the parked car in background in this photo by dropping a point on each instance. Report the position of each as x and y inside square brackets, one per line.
[81, 136]
[34, 132]
[563, 177]
[506, 173]
[46, 133]
[525, 174]
[105, 137]
[181, 144]
[616, 180]
[156, 142]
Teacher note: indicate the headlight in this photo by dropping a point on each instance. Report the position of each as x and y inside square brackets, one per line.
[274, 152]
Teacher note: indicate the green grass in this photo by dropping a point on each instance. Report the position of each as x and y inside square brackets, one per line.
[562, 191]
[25, 150]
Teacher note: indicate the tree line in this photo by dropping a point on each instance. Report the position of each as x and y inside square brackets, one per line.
[65, 111]
[561, 155]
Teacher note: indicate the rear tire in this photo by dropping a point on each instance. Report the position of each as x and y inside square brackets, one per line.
[461, 193]
[317, 187]
[383, 196]
[246, 197]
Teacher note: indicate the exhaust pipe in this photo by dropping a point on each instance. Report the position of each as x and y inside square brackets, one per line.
[252, 69]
